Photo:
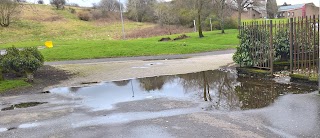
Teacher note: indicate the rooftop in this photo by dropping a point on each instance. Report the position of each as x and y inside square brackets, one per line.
[290, 7]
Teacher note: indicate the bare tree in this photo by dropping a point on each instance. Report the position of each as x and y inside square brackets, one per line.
[165, 14]
[8, 8]
[222, 10]
[59, 4]
[141, 10]
[241, 5]
[109, 5]
[272, 8]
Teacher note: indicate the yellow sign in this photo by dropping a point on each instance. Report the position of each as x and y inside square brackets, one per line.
[48, 44]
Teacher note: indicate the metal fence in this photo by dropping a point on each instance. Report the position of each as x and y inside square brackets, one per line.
[304, 45]
[301, 40]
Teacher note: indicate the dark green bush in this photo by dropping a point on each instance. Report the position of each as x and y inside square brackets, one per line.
[245, 53]
[22, 62]
[281, 44]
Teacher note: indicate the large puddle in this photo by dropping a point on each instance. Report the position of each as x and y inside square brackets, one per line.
[221, 89]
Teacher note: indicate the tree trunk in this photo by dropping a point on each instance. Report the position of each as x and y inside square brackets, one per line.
[222, 17]
[199, 19]
[239, 18]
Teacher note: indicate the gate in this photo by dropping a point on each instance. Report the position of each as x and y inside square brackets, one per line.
[301, 41]
[304, 46]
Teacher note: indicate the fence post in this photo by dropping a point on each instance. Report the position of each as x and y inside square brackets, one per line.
[271, 47]
[291, 44]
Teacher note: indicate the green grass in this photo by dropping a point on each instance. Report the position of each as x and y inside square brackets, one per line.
[12, 84]
[304, 77]
[90, 48]
[76, 39]
[86, 49]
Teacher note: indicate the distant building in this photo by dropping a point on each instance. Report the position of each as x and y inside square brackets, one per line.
[298, 10]
[252, 12]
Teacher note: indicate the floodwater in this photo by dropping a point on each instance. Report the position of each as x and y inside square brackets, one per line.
[220, 89]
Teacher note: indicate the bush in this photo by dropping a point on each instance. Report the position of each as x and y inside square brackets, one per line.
[24, 62]
[98, 14]
[243, 55]
[84, 15]
[72, 10]
[40, 2]
[281, 44]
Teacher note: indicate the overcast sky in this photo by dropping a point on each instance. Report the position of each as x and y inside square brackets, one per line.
[89, 2]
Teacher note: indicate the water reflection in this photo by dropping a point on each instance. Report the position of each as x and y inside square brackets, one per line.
[121, 83]
[222, 90]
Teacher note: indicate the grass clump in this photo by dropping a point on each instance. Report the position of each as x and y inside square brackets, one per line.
[12, 84]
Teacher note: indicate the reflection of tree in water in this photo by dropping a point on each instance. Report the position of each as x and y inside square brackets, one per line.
[214, 86]
[154, 83]
[254, 93]
[74, 89]
[121, 83]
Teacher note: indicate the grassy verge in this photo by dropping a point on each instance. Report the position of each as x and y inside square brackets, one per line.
[87, 48]
[12, 84]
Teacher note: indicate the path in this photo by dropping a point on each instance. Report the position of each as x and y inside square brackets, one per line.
[159, 57]
[111, 69]
[66, 116]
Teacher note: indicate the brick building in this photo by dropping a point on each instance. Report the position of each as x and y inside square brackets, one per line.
[298, 10]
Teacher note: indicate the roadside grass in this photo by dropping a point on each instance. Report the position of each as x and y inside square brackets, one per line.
[87, 49]
[12, 84]
[76, 39]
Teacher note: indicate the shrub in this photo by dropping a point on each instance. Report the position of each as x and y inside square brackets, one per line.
[281, 44]
[84, 15]
[24, 62]
[97, 14]
[59, 4]
[244, 56]
[72, 10]
[40, 2]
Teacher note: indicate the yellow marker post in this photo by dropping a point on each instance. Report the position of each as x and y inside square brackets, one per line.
[48, 44]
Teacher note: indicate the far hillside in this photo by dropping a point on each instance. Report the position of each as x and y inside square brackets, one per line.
[39, 23]
[87, 33]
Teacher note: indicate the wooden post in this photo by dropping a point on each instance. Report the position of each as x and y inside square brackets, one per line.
[291, 44]
[271, 48]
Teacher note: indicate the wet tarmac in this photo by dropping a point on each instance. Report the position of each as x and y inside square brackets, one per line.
[214, 103]
[220, 89]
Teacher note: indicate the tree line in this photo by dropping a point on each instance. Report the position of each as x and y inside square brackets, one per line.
[175, 12]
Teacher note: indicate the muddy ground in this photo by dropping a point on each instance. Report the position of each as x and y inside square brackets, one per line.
[46, 76]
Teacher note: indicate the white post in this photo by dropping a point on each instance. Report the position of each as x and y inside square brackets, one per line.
[123, 32]
[195, 26]
[211, 23]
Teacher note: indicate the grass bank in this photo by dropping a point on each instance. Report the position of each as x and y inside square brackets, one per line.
[89, 48]
[86, 49]
[76, 39]
[12, 84]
